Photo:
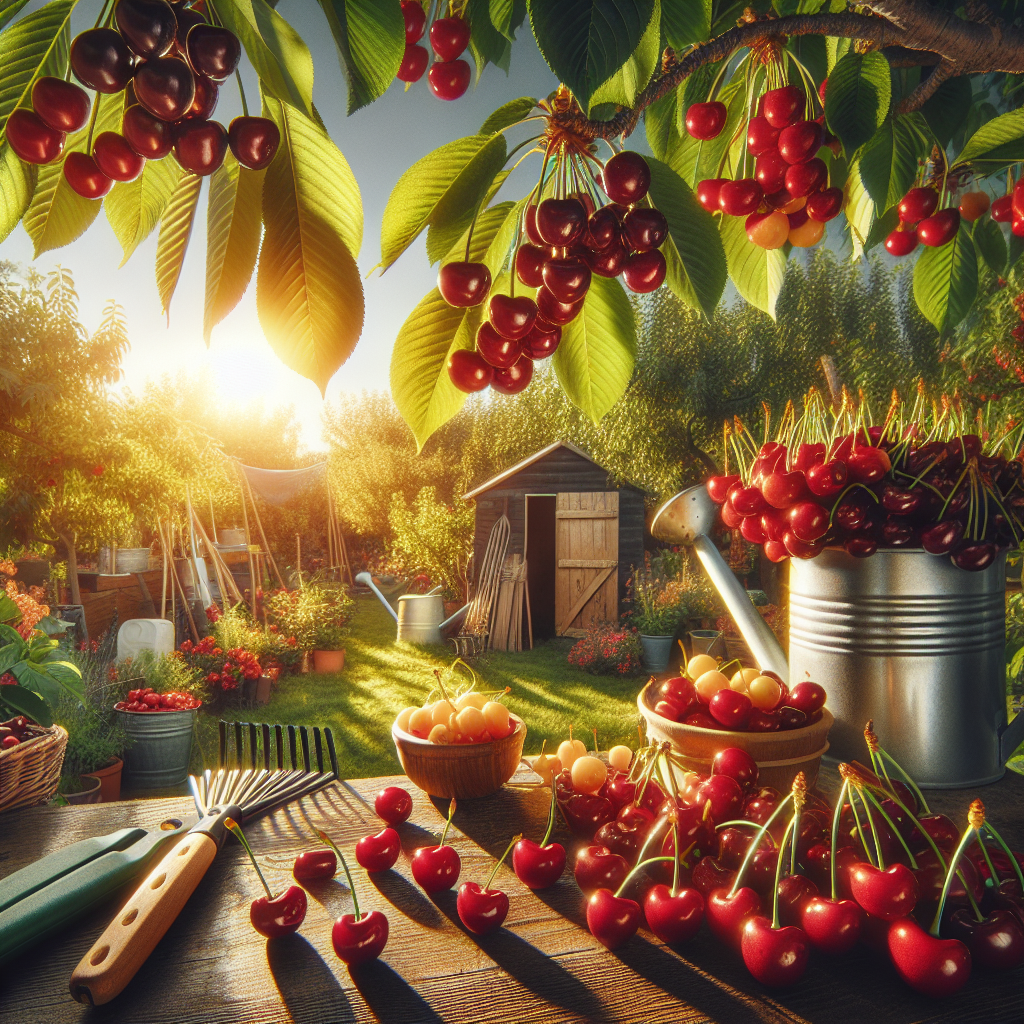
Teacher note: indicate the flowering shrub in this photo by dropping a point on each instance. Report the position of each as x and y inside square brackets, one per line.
[607, 650]
[315, 615]
[658, 603]
[29, 604]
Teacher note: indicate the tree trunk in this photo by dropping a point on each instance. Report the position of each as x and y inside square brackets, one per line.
[69, 544]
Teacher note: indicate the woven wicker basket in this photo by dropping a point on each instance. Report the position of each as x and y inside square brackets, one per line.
[30, 772]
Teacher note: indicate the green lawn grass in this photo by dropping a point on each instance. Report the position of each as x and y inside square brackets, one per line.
[381, 677]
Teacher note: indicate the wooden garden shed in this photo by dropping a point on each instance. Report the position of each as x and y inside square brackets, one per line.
[580, 533]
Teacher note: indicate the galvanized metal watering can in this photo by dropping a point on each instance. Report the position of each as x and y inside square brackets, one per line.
[903, 637]
[420, 617]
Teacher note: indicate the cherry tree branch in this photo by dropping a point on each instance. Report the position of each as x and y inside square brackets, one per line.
[928, 87]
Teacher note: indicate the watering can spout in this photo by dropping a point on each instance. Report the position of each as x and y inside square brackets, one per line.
[453, 621]
[367, 579]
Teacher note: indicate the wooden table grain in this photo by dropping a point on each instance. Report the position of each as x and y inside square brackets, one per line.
[543, 966]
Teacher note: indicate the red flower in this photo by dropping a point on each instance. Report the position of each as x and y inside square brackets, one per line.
[97, 471]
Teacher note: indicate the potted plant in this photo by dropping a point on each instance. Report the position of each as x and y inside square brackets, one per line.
[658, 609]
[315, 614]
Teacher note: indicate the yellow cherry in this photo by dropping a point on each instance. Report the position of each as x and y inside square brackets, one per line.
[402, 721]
[768, 230]
[699, 664]
[440, 734]
[421, 721]
[620, 757]
[807, 234]
[546, 765]
[471, 722]
[471, 699]
[708, 684]
[764, 692]
[588, 774]
[440, 712]
[569, 751]
[497, 718]
[741, 679]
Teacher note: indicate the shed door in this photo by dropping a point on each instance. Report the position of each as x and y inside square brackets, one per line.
[587, 560]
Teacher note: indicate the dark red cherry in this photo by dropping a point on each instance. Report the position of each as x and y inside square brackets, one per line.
[542, 340]
[499, 352]
[706, 120]
[709, 192]
[147, 26]
[165, 87]
[783, 107]
[803, 179]
[761, 136]
[415, 20]
[626, 178]
[740, 198]
[85, 177]
[974, 556]
[186, 18]
[530, 264]
[608, 262]
[414, 63]
[514, 379]
[602, 228]
[147, 135]
[253, 141]
[468, 371]
[940, 228]
[644, 228]
[644, 271]
[556, 312]
[449, 38]
[512, 316]
[823, 206]
[917, 204]
[799, 142]
[115, 158]
[32, 140]
[205, 102]
[568, 279]
[199, 146]
[212, 51]
[770, 171]
[62, 106]
[900, 242]
[464, 284]
[449, 80]
[1002, 209]
[561, 221]
[101, 60]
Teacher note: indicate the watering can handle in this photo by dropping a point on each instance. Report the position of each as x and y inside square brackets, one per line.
[760, 639]
[1010, 737]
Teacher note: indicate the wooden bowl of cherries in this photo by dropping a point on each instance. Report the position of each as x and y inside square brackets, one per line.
[718, 705]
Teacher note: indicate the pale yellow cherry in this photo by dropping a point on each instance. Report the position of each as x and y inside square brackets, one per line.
[421, 721]
[741, 679]
[440, 734]
[497, 718]
[588, 774]
[708, 684]
[569, 751]
[440, 712]
[471, 722]
[471, 699]
[546, 766]
[807, 234]
[620, 757]
[699, 664]
[764, 692]
[768, 230]
[402, 721]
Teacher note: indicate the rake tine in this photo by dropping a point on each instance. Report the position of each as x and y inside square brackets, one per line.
[291, 746]
[306, 783]
[197, 799]
[332, 753]
[304, 738]
[319, 749]
[222, 727]
[238, 744]
[280, 747]
[266, 746]
[252, 745]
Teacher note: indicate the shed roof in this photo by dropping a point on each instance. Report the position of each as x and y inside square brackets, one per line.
[496, 481]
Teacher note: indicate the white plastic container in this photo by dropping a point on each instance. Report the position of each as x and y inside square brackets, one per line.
[136, 635]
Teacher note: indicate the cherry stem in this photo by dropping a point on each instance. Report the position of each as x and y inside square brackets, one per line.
[92, 122]
[241, 93]
[756, 842]
[906, 778]
[232, 826]
[988, 861]
[636, 871]
[551, 815]
[103, 14]
[836, 815]
[597, 749]
[965, 841]
[795, 824]
[501, 860]
[675, 866]
[1009, 853]
[448, 823]
[874, 830]
[860, 830]
[790, 837]
[881, 810]
[326, 839]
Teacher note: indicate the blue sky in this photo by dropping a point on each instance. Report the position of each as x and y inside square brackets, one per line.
[380, 142]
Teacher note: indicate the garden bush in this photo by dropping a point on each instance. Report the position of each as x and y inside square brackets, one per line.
[608, 651]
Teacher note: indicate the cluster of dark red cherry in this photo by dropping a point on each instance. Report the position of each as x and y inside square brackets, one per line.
[721, 850]
[448, 76]
[867, 490]
[787, 199]
[170, 62]
[568, 239]
[922, 221]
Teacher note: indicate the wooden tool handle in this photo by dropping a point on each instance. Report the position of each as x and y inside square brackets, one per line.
[133, 934]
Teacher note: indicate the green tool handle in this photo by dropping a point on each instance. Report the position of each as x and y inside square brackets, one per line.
[49, 910]
[43, 872]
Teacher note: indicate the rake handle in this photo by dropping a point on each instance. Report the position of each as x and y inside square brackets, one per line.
[133, 934]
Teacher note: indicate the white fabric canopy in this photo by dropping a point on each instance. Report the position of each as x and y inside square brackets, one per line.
[279, 486]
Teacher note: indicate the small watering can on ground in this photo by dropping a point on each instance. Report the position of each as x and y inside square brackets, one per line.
[420, 617]
[904, 638]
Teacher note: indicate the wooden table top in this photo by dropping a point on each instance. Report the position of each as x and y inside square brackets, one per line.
[543, 966]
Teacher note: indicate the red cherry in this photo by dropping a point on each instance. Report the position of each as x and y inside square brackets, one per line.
[499, 352]
[727, 913]
[115, 158]
[205, 101]
[379, 852]
[85, 177]
[752, 530]
[781, 489]
[706, 120]
[31, 139]
[315, 865]
[730, 707]
[414, 62]
[515, 378]
[531, 226]
[359, 941]
[449, 38]
[807, 697]
[940, 228]
[974, 557]
[748, 501]
[826, 479]
[512, 316]
[147, 135]
[673, 918]
[253, 141]
[212, 51]
[740, 198]
[560, 222]
[761, 135]
[803, 179]
[393, 804]
[612, 919]
[1002, 209]
[833, 926]
[165, 87]
[567, 278]
[917, 204]
[644, 228]
[798, 548]
[415, 20]
[719, 486]
[603, 228]
[481, 910]
[556, 312]
[464, 284]
[62, 106]
[709, 193]
[530, 264]
[933, 967]
[200, 146]
[738, 765]
[148, 26]
[900, 242]
[626, 178]
[536, 866]
[281, 915]
[770, 171]
[774, 956]
[887, 894]
[643, 272]
[469, 371]
[448, 80]
[597, 866]
[823, 206]
[783, 107]
[101, 60]
[868, 465]
[436, 868]
[799, 142]
[808, 521]
[608, 262]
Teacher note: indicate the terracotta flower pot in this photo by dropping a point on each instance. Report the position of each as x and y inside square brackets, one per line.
[110, 780]
[90, 794]
[328, 661]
